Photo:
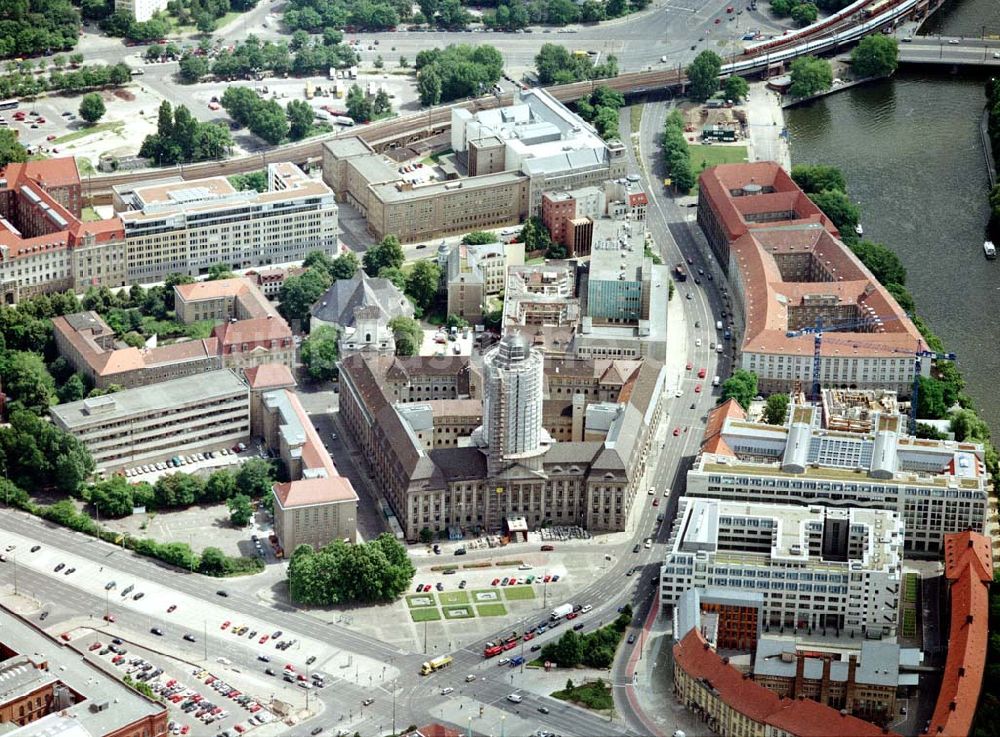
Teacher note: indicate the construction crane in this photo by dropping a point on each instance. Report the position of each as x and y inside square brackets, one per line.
[918, 354]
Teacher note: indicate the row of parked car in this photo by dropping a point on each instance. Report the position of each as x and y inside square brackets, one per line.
[177, 462]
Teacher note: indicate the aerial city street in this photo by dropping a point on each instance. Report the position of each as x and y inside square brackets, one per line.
[533, 368]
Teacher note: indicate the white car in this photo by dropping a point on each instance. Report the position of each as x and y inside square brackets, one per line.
[470, 678]
[679, 393]
[514, 698]
[697, 342]
[446, 691]
[503, 661]
[666, 492]
[586, 608]
[651, 491]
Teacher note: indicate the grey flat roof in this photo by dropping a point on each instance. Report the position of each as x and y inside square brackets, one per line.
[878, 662]
[147, 399]
[72, 668]
[350, 146]
[375, 169]
[389, 193]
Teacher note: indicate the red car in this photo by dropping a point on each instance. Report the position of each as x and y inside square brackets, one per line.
[240, 728]
[509, 645]
[95, 646]
[572, 615]
[697, 389]
[427, 587]
[529, 636]
[289, 668]
[701, 373]
[50, 137]
[263, 639]
[656, 502]
[690, 366]
[185, 729]
[225, 624]
[171, 608]
[495, 582]
[547, 578]
[677, 431]
[40, 120]
[718, 21]
[118, 659]
[254, 708]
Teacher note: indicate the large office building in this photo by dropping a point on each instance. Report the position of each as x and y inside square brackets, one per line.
[318, 505]
[47, 687]
[569, 215]
[510, 155]
[176, 225]
[152, 423]
[935, 486]
[45, 246]
[817, 567]
[476, 276]
[418, 420]
[788, 270]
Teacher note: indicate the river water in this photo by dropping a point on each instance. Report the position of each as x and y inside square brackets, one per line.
[911, 151]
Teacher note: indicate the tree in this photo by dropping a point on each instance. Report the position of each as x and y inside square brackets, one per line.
[73, 390]
[381, 104]
[388, 252]
[810, 75]
[300, 119]
[736, 88]
[379, 62]
[703, 75]
[205, 23]
[11, 152]
[741, 386]
[404, 63]
[429, 87]
[213, 562]
[192, 68]
[111, 498]
[426, 536]
[376, 571]
[240, 510]
[220, 486]
[535, 235]
[813, 178]
[781, 8]
[344, 266]
[804, 14]
[255, 478]
[319, 353]
[479, 238]
[776, 409]
[567, 651]
[177, 490]
[931, 404]
[463, 71]
[422, 283]
[968, 426]
[359, 106]
[92, 107]
[27, 381]
[220, 271]
[298, 293]
[875, 56]
[838, 207]
[884, 264]
[269, 122]
[408, 335]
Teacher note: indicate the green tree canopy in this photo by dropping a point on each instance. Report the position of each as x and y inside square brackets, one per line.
[876, 55]
[11, 151]
[112, 498]
[408, 335]
[815, 178]
[736, 88]
[776, 409]
[92, 107]
[462, 70]
[478, 238]
[387, 253]
[703, 75]
[213, 562]
[255, 478]
[804, 14]
[27, 381]
[220, 486]
[839, 208]
[810, 75]
[300, 119]
[422, 283]
[319, 353]
[240, 510]
[376, 571]
[741, 386]
[884, 264]
[298, 293]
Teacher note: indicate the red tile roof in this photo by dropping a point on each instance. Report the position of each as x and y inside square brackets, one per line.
[712, 441]
[269, 376]
[306, 492]
[797, 717]
[59, 172]
[252, 331]
[969, 569]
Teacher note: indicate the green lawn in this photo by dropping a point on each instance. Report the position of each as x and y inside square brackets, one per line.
[89, 215]
[459, 612]
[595, 695]
[426, 614]
[703, 157]
[515, 593]
[491, 610]
[84, 165]
[910, 583]
[83, 132]
[454, 597]
[412, 600]
[635, 117]
[909, 628]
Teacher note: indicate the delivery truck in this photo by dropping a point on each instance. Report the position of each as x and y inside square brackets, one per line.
[560, 611]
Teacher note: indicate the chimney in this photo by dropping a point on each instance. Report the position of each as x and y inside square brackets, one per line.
[824, 686]
[852, 668]
[800, 669]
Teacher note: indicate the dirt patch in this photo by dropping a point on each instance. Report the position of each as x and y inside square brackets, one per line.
[124, 95]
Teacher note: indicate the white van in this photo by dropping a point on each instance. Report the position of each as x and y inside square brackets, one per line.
[718, 324]
[718, 348]
[715, 381]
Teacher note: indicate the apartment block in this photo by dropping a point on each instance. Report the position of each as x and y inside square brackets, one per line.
[476, 275]
[788, 269]
[44, 244]
[46, 688]
[935, 486]
[153, 423]
[817, 567]
[183, 226]
[318, 505]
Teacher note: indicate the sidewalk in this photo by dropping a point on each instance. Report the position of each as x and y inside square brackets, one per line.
[765, 122]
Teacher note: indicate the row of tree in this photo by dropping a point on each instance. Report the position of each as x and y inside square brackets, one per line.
[32, 27]
[803, 13]
[517, 14]
[456, 72]
[253, 56]
[20, 84]
[180, 138]
[594, 649]
[556, 65]
[676, 155]
[364, 573]
[363, 108]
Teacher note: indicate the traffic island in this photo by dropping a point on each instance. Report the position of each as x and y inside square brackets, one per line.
[594, 695]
